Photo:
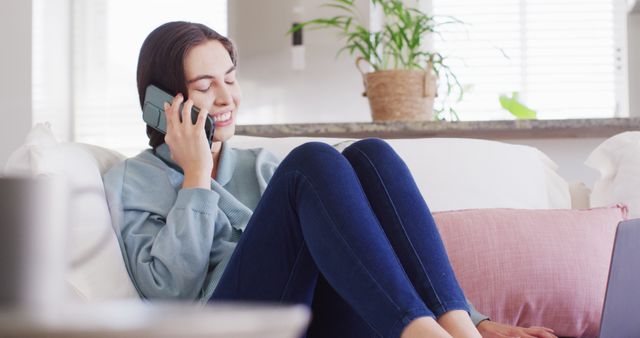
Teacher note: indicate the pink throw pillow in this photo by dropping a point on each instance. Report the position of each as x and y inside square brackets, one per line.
[534, 267]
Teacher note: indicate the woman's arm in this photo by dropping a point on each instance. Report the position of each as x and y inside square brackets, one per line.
[168, 237]
[169, 257]
[489, 329]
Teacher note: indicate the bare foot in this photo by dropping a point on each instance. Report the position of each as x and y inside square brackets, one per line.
[422, 327]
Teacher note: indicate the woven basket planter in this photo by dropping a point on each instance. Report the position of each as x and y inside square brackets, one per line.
[400, 95]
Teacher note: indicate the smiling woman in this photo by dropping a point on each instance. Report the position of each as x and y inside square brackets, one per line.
[221, 87]
[207, 60]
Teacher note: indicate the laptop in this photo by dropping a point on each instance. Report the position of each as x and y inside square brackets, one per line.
[621, 309]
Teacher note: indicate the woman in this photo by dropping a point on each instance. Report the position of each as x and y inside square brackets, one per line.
[345, 233]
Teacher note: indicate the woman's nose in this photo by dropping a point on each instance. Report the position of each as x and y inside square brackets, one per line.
[223, 96]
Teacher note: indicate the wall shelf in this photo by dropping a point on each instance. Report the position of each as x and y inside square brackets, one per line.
[507, 129]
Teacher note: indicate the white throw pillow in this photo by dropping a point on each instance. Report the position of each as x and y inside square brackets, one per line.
[463, 173]
[618, 161]
[457, 174]
[97, 270]
[279, 146]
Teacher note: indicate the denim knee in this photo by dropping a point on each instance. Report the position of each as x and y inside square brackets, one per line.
[312, 155]
[369, 145]
[312, 147]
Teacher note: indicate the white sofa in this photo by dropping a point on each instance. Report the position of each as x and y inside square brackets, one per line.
[451, 173]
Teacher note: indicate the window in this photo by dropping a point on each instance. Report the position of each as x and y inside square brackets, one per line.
[106, 39]
[565, 58]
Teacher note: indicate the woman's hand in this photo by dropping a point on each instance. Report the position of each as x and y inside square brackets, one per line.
[188, 143]
[489, 329]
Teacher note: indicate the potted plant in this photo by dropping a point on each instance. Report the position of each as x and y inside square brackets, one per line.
[402, 85]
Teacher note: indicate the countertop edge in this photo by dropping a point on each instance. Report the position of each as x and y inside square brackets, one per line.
[498, 129]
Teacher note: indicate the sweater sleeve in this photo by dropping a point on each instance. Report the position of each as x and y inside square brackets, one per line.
[266, 165]
[169, 256]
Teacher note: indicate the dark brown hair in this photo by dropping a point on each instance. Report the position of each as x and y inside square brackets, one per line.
[162, 56]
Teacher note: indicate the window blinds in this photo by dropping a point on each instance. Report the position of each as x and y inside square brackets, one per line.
[565, 58]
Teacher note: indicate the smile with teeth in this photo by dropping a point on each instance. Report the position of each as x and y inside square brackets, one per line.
[221, 117]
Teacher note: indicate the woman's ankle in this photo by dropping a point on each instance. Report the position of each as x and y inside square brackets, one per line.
[422, 327]
[458, 324]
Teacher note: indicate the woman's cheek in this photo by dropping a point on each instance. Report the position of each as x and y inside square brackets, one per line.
[237, 94]
[200, 100]
[204, 100]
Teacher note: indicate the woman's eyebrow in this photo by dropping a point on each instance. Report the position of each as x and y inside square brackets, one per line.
[200, 77]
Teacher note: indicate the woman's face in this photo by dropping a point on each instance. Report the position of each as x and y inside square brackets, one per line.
[212, 85]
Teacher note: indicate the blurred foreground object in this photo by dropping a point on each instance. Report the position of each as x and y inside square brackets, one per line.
[128, 319]
[32, 241]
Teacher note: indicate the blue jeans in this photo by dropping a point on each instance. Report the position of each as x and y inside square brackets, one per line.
[351, 229]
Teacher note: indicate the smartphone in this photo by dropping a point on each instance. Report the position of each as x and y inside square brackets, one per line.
[153, 111]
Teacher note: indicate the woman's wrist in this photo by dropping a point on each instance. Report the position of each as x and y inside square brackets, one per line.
[196, 179]
[482, 322]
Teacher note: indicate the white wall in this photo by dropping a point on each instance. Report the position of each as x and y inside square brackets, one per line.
[15, 67]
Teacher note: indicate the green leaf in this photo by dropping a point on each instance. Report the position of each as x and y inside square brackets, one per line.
[346, 2]
[517, 108]
[347, 25]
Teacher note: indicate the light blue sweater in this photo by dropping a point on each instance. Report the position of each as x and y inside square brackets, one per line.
[176, 242]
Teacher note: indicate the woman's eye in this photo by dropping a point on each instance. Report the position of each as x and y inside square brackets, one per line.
[230, 82]
[203, 90]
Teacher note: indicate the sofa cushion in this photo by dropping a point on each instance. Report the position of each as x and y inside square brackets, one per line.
[96, 267]
[463, 173]
[617, 160]
[534, 267]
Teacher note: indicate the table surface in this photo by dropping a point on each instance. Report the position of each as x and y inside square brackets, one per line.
[137, 319]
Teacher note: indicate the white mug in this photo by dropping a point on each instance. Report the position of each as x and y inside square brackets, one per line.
[33, 216]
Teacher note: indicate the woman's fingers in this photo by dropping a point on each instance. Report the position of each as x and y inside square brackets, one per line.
[175, 107]
[542, 328]
[172, 111]
[167, 113]
[185, 114]
[541, 332]
[179, 120]
[202, 117]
